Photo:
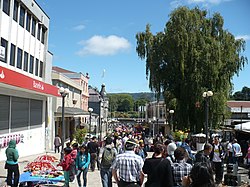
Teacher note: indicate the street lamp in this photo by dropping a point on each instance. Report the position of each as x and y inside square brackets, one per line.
[64, 92]
[90, 112]
[154, 119]
[206, 96]
[171, 119]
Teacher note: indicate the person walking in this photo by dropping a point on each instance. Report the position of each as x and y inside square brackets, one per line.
[247, 157]
[129, 165]
[180, 167]
[107, 156]
[66, 163]
[236, 151]
[57, 143]
[93, 149]
[82, 165]
[170, 150]
[201, 175]
[11, 164]
[204, 155]
[151, 165]
[217, 158]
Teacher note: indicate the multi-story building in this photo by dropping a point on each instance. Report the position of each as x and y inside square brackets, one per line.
[76, 108]
[25, 77]
[156, 116]
[99, 102]
[240, 112]
[81, 80]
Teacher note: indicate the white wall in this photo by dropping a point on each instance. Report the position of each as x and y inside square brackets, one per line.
[31, 142]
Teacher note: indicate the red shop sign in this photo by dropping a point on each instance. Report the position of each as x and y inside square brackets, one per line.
[13, 78]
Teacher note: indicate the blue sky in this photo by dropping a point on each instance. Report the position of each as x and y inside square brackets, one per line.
[98, 37]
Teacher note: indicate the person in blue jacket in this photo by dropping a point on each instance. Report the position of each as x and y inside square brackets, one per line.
[82, 165]
[12, 164]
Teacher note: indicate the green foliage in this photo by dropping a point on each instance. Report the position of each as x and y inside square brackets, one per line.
[121, 102]
[79, 135]
[243, 95]
[192, 55]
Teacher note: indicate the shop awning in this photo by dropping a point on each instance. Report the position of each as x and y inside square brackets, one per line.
[70, 111]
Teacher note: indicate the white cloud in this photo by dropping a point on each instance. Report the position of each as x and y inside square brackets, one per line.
[244, 37]
[79, 27]
[204, 3]
[103, 46]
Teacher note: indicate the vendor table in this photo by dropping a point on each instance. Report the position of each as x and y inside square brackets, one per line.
[27, 178]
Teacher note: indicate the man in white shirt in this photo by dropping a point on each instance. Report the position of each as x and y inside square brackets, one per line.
[236, 151]
[217, 157]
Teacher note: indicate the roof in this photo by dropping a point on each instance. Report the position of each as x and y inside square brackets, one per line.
[61, 70]
[238, 104]
[71, 111]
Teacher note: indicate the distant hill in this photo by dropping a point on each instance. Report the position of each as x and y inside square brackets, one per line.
[147, 95]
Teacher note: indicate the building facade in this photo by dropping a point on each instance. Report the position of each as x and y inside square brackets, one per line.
[240, 112]
[25, 77]
[75, 116]
[158, 118]
[99, 102]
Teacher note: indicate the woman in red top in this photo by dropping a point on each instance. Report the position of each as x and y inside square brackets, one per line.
[65, 163]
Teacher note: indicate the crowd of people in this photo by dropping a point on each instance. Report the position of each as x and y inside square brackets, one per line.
[125, 159]
[173, 163]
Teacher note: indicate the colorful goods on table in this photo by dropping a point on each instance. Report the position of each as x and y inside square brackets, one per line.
[43, 166]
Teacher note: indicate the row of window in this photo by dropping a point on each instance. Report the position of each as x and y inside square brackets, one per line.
[29, 24]
[19, 113]
[22, 60]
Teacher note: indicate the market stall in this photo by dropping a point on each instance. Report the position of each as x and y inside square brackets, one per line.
[42, 170]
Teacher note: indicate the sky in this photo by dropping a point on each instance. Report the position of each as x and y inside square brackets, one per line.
[98, 36]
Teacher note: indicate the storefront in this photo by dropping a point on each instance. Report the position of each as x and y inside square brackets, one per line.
[26, 113]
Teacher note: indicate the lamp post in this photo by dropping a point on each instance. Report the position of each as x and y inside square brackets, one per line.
[206, 96]
[171, 119]
[154, 118]
[64, 92]
[90, 117]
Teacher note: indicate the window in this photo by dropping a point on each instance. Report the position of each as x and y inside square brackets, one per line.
[15, 10]
[43, 35]
[33, 31]
[41, 69]
[19, 113]
[4, 43]
[25, 61]
[31, 64]
[36, 108]
[6, 6]
[4, 114]
[38, 32]
[22, 15]
[19, 58]
[12, 54]
[28, 18]
[37, 67]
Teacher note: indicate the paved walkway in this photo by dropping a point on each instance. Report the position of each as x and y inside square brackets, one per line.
[94, 179]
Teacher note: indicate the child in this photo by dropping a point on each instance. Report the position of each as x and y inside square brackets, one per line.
[65, 163]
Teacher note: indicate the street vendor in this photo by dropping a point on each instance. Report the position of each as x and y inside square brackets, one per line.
[12, 164]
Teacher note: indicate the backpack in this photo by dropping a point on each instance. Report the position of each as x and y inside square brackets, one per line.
[107, 157]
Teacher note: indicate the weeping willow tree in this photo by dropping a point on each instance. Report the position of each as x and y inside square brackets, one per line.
[193, 54]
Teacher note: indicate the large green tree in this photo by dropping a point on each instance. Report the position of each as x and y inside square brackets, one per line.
[121, 102]
[193, 54]
[243, 95]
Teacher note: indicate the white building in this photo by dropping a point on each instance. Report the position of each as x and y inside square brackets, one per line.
[25, 78]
